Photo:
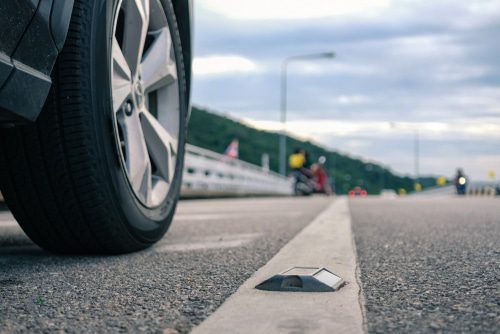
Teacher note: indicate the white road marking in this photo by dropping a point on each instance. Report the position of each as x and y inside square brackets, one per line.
[6, 215]
[229, 215]
[210, 242]
[8, 223]
[7, 220]
[326, 242]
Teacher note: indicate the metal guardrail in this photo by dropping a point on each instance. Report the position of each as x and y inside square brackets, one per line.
[474, 188]
[483, 188]
[207, 173]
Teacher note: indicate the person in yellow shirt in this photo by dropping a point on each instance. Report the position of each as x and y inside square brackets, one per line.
[297, 160]
[303, 184]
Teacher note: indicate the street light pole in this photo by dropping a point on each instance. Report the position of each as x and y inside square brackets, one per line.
[283, 106]
[416, 150]
[284, 97]
[416, 154]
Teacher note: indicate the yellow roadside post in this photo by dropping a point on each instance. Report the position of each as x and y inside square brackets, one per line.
[441, 181]
[418, 187]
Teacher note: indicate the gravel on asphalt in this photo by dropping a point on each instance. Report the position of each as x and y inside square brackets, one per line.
[152, 291]
[429, 265]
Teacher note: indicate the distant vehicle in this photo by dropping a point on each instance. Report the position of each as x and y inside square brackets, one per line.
[461, 182]
[388, 193]
[357, 191]
[461, 185]
[94, 102]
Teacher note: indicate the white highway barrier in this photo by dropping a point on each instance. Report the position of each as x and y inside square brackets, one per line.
[207, 173]
[483, 189]
[474, 188]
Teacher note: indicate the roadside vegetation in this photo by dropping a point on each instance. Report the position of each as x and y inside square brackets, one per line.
[214, 131]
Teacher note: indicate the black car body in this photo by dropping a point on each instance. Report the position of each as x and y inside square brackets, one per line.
[32, 36]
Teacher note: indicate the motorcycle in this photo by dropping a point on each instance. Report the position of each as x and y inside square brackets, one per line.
[303, 186]
[461, 185]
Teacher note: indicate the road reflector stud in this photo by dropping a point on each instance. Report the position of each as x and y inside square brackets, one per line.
[303, 279]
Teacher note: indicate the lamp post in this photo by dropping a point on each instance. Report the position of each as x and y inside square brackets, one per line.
[284, 68]
[416, 152]
[416, 149]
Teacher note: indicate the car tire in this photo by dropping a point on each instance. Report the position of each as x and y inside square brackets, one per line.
[69, 178]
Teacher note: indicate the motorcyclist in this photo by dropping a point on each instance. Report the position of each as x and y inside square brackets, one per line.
[460, 182]
[303, 183]
[297, 159]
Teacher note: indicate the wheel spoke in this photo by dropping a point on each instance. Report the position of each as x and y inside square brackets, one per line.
[158, 67]
[122, 79]
[135, 31]
[160, 188]
[157, 18]
[136, 155]
[144, 76]
[161, 145]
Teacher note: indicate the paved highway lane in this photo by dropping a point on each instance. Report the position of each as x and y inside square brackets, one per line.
[212, 247]
[426, 265]
[429, 265]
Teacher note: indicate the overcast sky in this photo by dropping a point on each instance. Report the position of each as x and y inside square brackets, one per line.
[400, 66]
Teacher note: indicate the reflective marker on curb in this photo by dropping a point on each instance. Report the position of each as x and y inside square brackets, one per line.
[303, 279]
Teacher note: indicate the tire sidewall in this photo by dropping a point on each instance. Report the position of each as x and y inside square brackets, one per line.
[145, 224]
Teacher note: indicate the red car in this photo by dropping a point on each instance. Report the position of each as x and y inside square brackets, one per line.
[357, 191]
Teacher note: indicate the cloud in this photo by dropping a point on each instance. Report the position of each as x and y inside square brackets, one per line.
[222, 65]
[333, 68]
[350, 100]
[430, 64]
[432, 130]
[459, 73]
[443, 146]
[292, 9]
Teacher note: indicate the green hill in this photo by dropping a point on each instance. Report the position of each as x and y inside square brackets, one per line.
[214, 132]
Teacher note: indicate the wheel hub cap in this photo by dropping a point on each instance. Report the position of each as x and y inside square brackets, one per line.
[138, 94]
[145, 98]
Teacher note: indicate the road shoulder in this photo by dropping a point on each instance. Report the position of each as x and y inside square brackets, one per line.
[326, 242]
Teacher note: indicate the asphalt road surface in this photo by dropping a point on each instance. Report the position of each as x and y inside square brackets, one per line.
[427, 265]
[212, 247]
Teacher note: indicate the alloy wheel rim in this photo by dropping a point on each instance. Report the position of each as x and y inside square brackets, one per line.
[145, 98]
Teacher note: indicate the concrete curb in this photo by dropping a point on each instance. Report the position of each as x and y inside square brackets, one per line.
[326, 242]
